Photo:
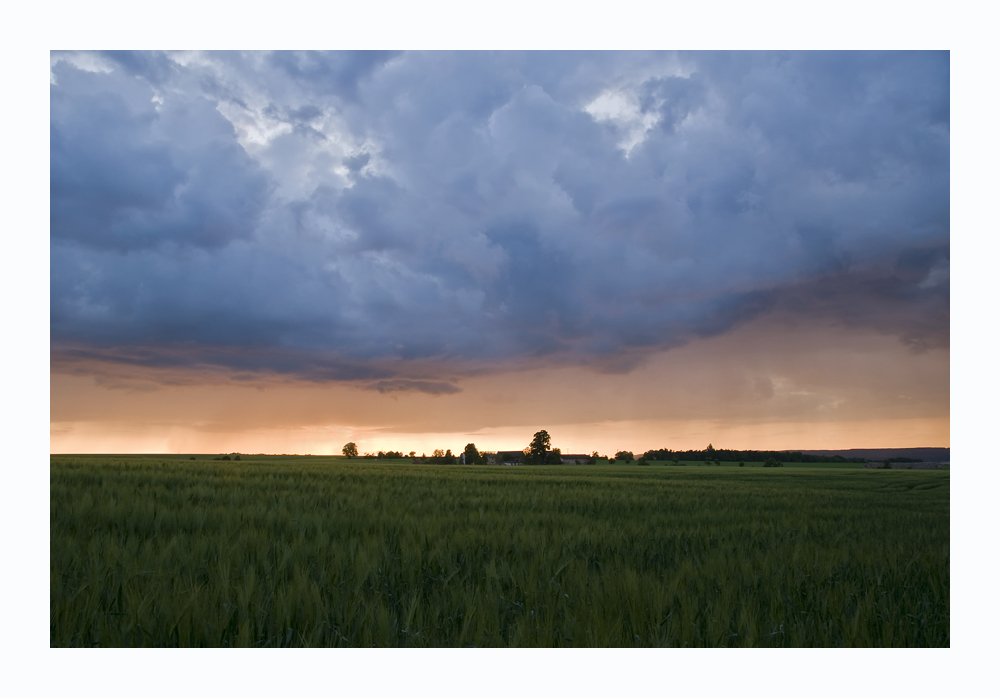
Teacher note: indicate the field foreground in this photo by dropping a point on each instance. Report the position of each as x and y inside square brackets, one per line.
[151, 551]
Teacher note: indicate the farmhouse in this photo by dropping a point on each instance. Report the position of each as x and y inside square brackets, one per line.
[514, 458]
[502, 457]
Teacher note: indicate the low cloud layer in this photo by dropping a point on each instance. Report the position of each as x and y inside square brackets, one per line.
[403, 219]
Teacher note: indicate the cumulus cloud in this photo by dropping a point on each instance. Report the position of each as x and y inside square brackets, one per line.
[361, 216]
[129, 173]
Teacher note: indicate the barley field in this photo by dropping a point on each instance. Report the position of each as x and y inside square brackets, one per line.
[290, 552]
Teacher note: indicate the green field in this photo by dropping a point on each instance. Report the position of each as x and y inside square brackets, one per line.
[294, 551]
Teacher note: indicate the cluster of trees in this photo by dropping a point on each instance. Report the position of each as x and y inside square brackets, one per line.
[442, 457]
[350, 450]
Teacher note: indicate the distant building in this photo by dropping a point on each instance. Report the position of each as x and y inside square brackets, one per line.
[514, 458]
[505, 458]
[494, 457]
[925, 465]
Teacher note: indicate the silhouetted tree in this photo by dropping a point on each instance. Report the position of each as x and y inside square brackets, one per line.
[351, 450]
[539, 446]
[472, 456]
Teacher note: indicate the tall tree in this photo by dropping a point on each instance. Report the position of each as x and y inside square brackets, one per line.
[351, 450]
[539, 446]
[472, 456]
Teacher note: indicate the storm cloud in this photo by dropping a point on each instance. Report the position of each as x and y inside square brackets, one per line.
[403, 219]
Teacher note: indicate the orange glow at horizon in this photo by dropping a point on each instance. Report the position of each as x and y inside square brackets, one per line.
[571, 438]
[760, 387]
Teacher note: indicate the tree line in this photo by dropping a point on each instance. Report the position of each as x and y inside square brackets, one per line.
[540, 452]
[726, 455]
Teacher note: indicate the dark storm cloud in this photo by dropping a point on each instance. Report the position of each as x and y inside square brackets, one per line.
[127, 173]
[349, 216]
[153, 66]
[330, 72]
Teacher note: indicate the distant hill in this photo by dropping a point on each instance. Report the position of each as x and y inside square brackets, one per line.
[941, 455]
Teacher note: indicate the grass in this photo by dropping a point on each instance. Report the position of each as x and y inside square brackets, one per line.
[328, 552]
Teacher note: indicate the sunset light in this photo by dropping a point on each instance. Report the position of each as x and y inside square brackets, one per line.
[281, 252]
[499, 348]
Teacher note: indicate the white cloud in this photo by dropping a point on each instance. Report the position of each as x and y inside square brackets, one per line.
[621, 108]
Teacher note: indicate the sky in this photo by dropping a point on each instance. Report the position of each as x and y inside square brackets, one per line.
[283, 252]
